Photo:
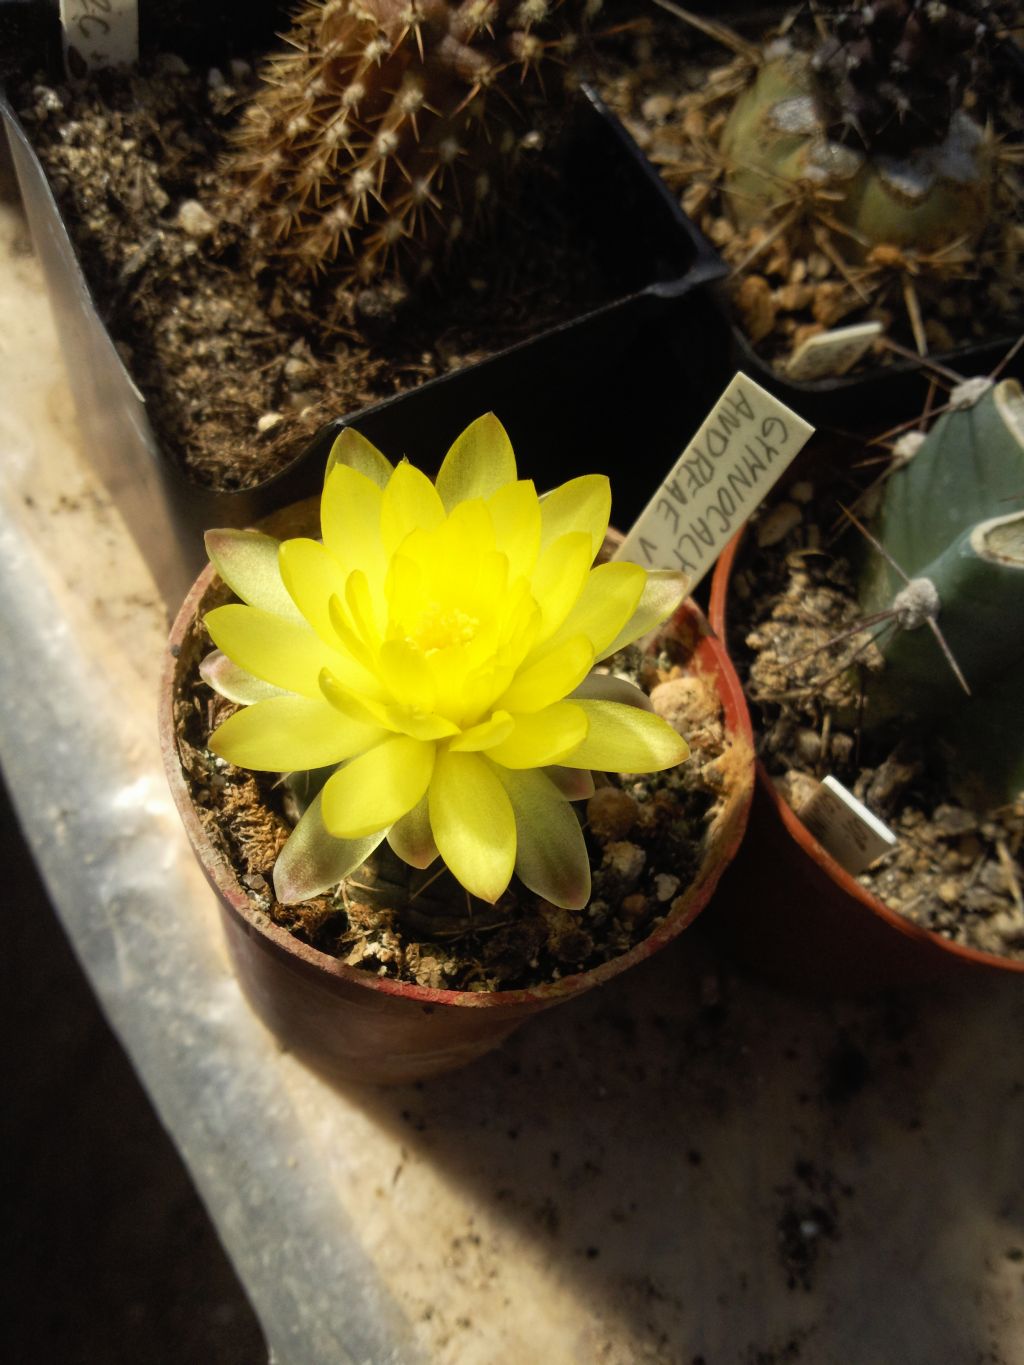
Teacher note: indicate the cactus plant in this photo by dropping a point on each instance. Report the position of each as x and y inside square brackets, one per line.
[858, 170]
[947, 518]
[378, 138]
[872, 124]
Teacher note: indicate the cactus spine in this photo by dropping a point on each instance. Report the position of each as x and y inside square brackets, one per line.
[378, 136]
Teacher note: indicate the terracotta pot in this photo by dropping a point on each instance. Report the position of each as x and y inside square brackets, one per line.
[793, 914]
[354, 1025]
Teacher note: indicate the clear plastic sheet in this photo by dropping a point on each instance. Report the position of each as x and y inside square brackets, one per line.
[683, 1165]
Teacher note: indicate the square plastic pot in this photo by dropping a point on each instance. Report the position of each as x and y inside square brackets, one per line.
[607, 382]
[887, 393]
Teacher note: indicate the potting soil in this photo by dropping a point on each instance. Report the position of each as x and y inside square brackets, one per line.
[955, 870]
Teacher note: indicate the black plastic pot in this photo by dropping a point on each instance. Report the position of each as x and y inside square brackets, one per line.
[617, 388]
[886, 393]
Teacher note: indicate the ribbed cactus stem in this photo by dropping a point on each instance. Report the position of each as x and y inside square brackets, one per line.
[943, 519]
[969, 468]
[977, 586]
[378, 137]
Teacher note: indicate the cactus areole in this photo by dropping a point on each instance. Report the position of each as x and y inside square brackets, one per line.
[378, 138]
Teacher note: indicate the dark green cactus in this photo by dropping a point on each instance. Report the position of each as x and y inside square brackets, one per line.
[951, 518]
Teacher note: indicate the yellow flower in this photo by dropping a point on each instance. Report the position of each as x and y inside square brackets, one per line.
[436, 649]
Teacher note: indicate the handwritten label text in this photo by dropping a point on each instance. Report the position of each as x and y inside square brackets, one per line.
[726, 470]
[99, 33]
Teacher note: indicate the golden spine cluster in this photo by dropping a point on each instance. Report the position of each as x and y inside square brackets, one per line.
[377, 138]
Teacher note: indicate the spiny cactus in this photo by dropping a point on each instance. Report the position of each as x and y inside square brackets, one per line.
[871, 126]
[377, 139]
[950, 518]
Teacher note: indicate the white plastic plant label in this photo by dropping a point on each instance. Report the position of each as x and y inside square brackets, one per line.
[98, 33]
[746, 442]
[845, 827]
[830, 354]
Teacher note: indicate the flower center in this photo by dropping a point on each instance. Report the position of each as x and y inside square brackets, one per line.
[440, 627]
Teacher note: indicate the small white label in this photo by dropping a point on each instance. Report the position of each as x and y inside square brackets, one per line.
[744, 445]
[99, 33]
[845, 827]
[830, 354]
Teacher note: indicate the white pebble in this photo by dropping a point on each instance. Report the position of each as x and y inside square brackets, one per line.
[193, 219]
[665, 886]
[776, 524]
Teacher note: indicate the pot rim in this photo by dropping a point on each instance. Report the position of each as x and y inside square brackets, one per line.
[798, 831]
[219, 872]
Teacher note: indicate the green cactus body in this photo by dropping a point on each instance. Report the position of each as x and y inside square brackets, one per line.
[944, 519]
[378, 136]
[776, 144]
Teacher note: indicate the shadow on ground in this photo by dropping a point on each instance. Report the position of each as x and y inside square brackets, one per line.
[720, 1174]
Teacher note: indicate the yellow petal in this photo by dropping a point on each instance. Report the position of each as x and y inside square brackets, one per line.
[482, 736]
[521, 628]
[472, 822]
[582, 504]
[407, 676]
[559, 577]
[410, 722]
[480, 461]
[285, 653]
[551, 852]
[411, 838]
[477, 692]
[362, 610]
[225, 677]
[404, 590]
[624, 739]
[350, 512]
[541, 738]
[573, 784]
[663, 592]
[468, 527]
[410, 503]
[550, 677]
[286, 733]
[377, 788]
[358, 453]
[313, 861]
[355, 704]
[608, 600]
[609, 687]
[353, 644]
[485, 595]
[402, 720]
[312, 576]
[247, 562]
[453, 556]
[515, 515]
